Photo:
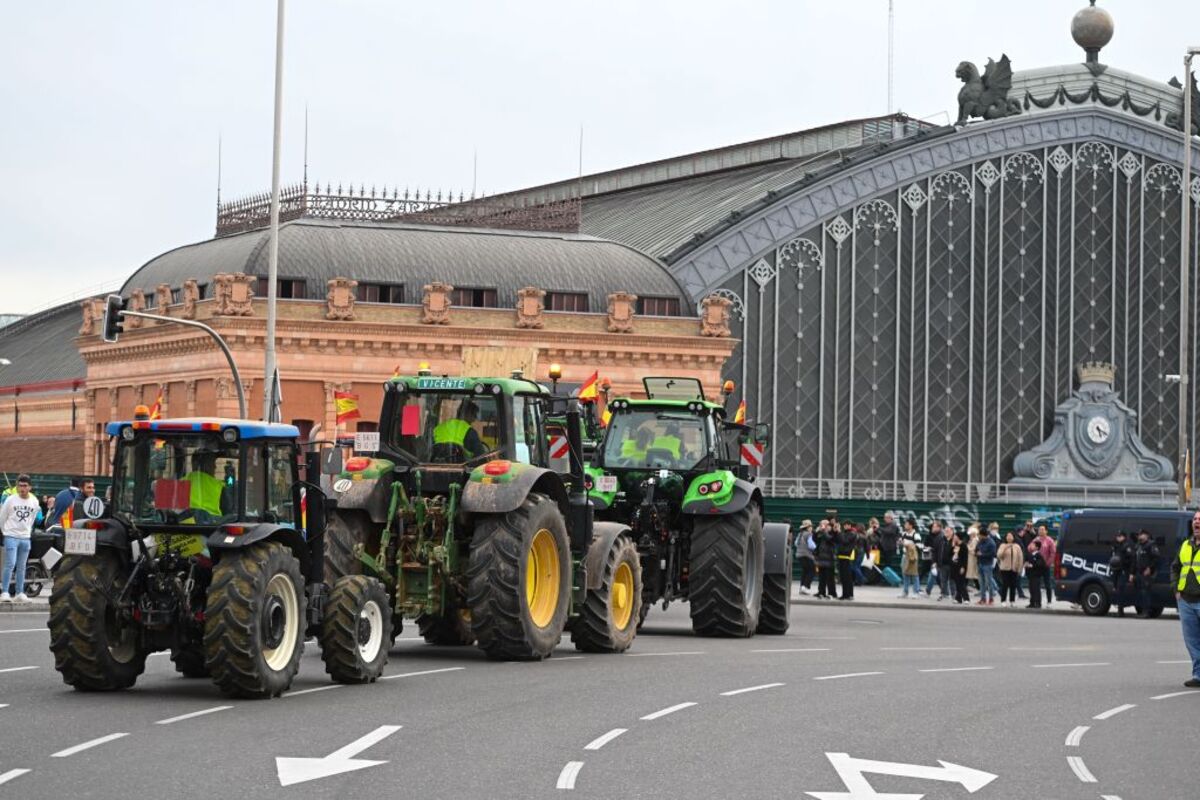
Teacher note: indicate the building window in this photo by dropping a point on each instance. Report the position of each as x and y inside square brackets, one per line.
[285, 288]
[566, 301]
[201, 291]
[175, 297]
[473, 298]
[381, 292]
[658, 306]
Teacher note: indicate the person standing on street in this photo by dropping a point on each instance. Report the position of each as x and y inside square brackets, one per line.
[1024, 535]
[935, 545]
[825, 557]
[910, 566]
[847, 552]
[985, 558]
[962, 558]
[17, 516]
[889, 541]
[804, 555]
[1012, 561]
[1049, 550]
[1145, 563]
[1035, 569]
[1120, 569]
[1185, 574]
[947, 566]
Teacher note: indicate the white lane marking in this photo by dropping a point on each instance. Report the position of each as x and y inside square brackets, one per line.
[1055, 666]
[422, 672]
[1112, 712]
[3, 705]
[16, 669]
[665, 711]
[847, 675]
[27, 630]
[1076, 648]
[1076, 736]
[795, 650]
[1174, 694]
[919, 649]
[182, 717]
[315, 689]
[829, 638]
[12, 773]
[1181, 661]
[600, 741]
[566, 778]
[750, 689]
[955, 669]
[680, 653]
[79, 748]
[1109, 797]
[564, 658]
[293, 770]
[1080, 769]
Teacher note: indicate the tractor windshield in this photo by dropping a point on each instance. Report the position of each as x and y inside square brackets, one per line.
[656, 439]
[176, 480]
[447, 427]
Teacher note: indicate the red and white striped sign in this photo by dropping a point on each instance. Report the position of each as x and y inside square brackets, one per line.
[558, 447]
[752, 454]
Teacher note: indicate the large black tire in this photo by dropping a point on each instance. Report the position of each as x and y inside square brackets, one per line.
[92, 649]
[610, 617]
[775, 616]
[189, 661]
[1094, 600]
[725, 579]
[499, 580]
[356, 632]
[254, 626]
[343, 530]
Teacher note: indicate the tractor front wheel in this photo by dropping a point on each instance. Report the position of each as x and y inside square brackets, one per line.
[612, 613]
[726, 589]
[253, 630]
[519, 580]
[357, 630]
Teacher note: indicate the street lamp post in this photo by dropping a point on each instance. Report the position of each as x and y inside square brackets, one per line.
[1185, 276]
[273, 240]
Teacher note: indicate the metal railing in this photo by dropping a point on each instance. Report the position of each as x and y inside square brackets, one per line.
[929, 492]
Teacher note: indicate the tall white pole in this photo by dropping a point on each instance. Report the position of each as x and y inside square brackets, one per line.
[1184, 277]
[273, 241]
[891, 52]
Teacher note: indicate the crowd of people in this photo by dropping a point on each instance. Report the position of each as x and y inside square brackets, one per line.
[1013, 566]
[21, 513]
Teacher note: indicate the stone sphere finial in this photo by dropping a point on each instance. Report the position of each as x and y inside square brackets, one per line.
[1092, 29]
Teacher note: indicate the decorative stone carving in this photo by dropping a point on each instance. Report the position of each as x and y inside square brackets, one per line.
[234, 294]
[1094, 443]
[339, 300]
[137, 302]
[985, 96]
[224, 386]
[530, 307]
[1175, 118]
[162, 299]
[621, 311]
[435, 303]
[714, 315]
[93, 316]
[191, 296]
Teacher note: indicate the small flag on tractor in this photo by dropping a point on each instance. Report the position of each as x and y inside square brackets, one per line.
[739, 418]
[156, 409]
[589, 391]
[396, 372]
[605, 416]
[346, 404]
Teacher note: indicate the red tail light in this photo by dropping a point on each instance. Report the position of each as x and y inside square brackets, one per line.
[357, 464]
[499, 467]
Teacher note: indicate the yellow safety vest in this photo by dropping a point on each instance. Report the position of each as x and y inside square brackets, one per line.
[668, 443]
[630, 449]
[452, 431]
[205, 492]
[1187, 563]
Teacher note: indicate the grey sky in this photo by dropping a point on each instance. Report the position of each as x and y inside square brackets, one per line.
[110, 112]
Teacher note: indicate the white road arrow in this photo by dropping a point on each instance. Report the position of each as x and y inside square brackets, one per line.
[852, 771]
[299, 770]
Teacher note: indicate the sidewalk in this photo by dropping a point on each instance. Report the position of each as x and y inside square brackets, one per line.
[41, 603]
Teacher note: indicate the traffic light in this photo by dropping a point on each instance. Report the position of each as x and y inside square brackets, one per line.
[114, 323]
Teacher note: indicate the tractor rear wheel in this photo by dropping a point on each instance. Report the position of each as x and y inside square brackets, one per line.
[725, 577]
[343, 530]
[519, 580]
[189, 660]
[254, 626]
[611, 614]
[94, 649]
[357, 630]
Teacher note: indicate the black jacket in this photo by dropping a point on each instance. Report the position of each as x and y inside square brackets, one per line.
[943, 551]
[847, 543]
[826, 548]
[1146, 556]
[889, 537]
[1121, 559]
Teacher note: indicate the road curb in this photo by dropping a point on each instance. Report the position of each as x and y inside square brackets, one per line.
[927, 605]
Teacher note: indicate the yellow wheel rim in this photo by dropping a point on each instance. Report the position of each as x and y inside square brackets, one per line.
[543, 578]
[622, 596]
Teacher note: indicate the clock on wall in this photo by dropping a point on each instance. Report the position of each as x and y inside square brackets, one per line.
[1098, 429]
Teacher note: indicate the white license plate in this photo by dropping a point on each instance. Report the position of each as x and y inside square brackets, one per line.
[80, 542]
[606, 483]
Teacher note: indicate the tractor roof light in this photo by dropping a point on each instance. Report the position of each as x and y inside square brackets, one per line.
[480, 388]
[555, 372]
[230, 435]
[127, 433]
[728, 387]
[141, 412]
[497, 388]
[423, 369]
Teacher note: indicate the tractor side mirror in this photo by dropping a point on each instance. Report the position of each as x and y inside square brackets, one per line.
[331, 461]
[762, 433]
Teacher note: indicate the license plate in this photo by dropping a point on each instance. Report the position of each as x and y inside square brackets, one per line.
[80, 542]
[606, 483]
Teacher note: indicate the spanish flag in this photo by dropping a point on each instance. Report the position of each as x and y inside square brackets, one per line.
[739, 418]
[589, 391]
[605, 416]
[346, 404]
[156, 409]
[396, 372]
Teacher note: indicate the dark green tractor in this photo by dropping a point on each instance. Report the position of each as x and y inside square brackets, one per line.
[476, 536]
[670, 468]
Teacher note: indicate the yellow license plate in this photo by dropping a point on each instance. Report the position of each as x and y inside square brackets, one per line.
[185, 544]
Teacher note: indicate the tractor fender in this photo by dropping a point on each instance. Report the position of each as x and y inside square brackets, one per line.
[221, 541]
[777, 547]
[499, 494]
[603, 536]
[372, 495]
[744, 493]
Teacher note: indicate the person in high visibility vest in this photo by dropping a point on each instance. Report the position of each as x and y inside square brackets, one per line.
[460, 432]
[636, 447]
[204, 487]
[1185, 573]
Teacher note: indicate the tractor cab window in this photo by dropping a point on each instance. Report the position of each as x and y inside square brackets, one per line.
[447, 428]
[675, 440]
[280, 472]
[177, 480]
[527, 422]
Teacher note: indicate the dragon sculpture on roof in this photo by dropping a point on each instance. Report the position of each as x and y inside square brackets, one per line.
[985, 96]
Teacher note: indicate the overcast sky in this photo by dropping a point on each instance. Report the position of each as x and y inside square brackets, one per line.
[110, 112]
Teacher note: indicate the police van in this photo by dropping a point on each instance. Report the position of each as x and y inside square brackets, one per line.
[1085, 545]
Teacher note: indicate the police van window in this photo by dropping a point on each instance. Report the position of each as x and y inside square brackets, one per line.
[1084, 531]
[1162, 531]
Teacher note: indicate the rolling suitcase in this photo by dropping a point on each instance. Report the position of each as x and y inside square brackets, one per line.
[891, 577]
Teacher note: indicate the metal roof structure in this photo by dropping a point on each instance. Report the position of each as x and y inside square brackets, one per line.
[41, 348]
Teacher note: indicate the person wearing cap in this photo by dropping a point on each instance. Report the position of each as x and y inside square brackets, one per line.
[1120, 570]
[1185, 575]
[805, 546]
[1146, 559]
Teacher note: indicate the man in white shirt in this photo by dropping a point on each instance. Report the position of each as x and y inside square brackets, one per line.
[17, 516]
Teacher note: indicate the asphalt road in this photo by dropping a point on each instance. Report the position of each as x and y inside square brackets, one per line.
[1045, 706]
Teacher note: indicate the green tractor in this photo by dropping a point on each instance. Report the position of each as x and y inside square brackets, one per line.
[475, 536]
[670, 468]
